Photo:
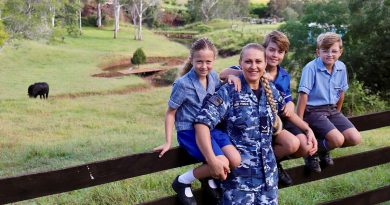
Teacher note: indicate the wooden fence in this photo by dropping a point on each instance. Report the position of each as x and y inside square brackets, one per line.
[23, 187]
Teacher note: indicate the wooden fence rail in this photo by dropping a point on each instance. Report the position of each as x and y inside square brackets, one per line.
[35, 185]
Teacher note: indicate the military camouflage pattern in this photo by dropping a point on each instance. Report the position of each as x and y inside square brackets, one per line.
[249, 126]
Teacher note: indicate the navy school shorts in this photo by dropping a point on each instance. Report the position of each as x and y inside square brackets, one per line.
[322, 119]
[187, 141]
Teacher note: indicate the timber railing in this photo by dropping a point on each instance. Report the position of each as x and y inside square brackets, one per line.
[29, 186]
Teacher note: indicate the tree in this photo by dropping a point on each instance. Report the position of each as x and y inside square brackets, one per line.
[139, 57]
[367, 44]
[206, 8]
[99, 13]
[333, 16]
[139, 8]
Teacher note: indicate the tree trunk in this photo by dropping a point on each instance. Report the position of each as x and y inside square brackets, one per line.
[139, 35]
[80, 27]
[99, 16]
[116, 17]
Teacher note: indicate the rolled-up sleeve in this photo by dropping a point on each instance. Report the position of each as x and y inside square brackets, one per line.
[307, 80]
[177, 95]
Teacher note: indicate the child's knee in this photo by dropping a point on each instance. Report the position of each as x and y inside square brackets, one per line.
[235, 161]
[352, 137]
[292, 145]
[335, 139]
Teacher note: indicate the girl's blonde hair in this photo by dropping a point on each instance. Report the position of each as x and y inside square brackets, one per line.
[277, 124]
[200, 44]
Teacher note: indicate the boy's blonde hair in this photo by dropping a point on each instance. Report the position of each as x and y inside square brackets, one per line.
[279, 38]
[326, 40]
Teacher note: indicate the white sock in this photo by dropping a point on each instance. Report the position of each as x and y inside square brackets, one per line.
[212, 184]
[187, 178]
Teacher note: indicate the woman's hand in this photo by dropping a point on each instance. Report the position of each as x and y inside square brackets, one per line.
[236, 81]
[162, 149]
[288, 109]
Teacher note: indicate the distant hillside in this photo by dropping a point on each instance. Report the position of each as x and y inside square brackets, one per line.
[253, 1]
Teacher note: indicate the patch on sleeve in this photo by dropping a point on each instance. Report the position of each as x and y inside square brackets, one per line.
[216, 100]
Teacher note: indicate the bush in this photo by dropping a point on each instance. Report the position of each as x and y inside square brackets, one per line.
[139, 57]
[359, 100]
[57, 35]
[3, 34]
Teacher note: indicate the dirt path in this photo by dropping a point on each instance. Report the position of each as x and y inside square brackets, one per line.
[120, 68]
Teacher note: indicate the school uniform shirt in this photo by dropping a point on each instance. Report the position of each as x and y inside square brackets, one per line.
[187, 97]
[322, 87]
[249, 123]
[281, 82]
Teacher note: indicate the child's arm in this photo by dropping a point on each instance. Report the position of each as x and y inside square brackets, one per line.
[217, 168]
[288, 109]
[224, 74]
[301, 104]
[169, 123]
[302, 125]
[340, 102]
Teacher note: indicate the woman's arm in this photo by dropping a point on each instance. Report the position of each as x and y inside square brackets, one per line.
[169, 123]
[301, 104]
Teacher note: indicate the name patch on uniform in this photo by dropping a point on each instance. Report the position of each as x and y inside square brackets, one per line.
[216, 100]
[240, 103]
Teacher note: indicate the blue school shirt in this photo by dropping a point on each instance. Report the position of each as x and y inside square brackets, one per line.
[281, 82]
[187, 97]
[323, 88]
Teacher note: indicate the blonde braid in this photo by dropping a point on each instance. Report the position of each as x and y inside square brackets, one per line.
[277, 125]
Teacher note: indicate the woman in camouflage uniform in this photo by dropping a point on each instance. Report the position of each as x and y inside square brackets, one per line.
[250, 117]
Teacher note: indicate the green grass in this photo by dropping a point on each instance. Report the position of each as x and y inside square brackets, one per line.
[68, 67]
[40, 135]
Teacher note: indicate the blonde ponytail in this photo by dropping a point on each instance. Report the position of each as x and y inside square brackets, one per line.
[277, 125]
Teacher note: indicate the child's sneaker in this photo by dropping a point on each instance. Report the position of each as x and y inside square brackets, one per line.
[284, 178]
[326, 159]
[313, 163]
[184, 192]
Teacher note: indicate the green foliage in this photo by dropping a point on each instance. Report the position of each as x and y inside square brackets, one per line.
[359, 100]
[89, 20]
[139, 57]
[3, 34]
[57, 35]
[167, 77]
[368, 42]
[230, 43]
[260, 10]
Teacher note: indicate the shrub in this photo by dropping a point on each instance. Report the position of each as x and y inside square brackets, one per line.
[359, 100]
[3, 34]
[139, 57]
[57, 35]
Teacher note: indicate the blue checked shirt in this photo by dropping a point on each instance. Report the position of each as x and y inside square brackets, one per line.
[323, 88]
[187, 97]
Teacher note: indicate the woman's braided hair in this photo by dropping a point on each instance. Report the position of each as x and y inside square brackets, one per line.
[200, 44]
[270, 99]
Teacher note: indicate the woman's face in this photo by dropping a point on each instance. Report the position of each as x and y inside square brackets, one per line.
[253, 65]
[202, 61]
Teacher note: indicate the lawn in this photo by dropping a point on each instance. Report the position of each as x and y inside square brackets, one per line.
[40, 135]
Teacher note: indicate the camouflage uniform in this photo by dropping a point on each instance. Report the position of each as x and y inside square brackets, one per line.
[249, 126]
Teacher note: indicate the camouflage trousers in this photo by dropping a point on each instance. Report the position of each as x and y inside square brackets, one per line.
[239, 197]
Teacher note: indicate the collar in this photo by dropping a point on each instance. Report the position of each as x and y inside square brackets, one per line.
[200, 91]
[246, 89]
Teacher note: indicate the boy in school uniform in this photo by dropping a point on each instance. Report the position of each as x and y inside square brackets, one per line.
[321, 94]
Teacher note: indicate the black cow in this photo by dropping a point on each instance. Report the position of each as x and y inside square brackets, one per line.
[41, 89]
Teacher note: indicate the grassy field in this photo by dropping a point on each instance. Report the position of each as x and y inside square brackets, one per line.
[39, 135]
